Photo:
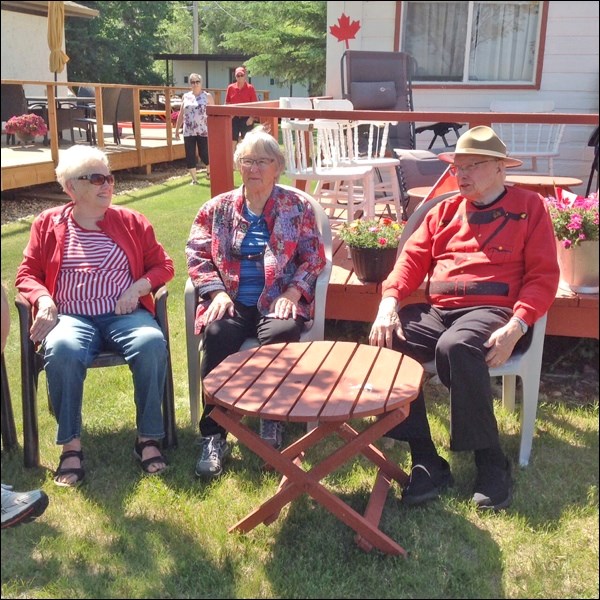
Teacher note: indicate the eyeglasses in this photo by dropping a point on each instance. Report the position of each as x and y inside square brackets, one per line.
[98, 179]
[261, 163]
[194, 81]
[239, 75]
[468, 169]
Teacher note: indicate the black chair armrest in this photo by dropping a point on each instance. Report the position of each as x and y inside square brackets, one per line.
[31, 449]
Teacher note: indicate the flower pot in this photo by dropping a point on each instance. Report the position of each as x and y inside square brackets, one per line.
[372, 265]
[579, 267]
[24, 138]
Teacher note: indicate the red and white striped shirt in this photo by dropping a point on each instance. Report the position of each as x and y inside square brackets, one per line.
[93, 275]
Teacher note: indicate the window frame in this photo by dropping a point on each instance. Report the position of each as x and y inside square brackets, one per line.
[535, 85]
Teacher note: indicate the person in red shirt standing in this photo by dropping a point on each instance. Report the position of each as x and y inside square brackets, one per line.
[237, 93]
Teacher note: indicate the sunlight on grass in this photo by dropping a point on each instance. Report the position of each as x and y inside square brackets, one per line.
[123, 534]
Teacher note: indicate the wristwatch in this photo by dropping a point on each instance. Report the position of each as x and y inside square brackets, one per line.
[524, 327]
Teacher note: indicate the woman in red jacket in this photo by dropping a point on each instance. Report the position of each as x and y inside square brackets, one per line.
[89, 269]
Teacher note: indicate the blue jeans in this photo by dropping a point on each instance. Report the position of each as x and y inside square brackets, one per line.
[71, 347]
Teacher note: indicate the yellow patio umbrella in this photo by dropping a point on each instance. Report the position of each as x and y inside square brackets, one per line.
[56, 26]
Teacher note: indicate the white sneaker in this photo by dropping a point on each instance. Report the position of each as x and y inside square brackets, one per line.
[21, 507]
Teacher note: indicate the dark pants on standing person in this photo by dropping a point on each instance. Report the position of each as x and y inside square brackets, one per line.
[226, 336]
[455, 338]
[191, 142]
[239, 127]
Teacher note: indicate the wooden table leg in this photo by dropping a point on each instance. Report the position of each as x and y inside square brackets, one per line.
[376, 456]
[375, 507]
[309, 482]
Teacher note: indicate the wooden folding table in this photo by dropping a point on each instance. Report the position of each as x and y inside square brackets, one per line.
[329, 382]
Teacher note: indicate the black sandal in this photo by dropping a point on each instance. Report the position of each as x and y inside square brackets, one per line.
[60, 471]
[161, 458]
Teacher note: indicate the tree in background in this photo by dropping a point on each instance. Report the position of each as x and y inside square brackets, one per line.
[118, 45]
[286, 40]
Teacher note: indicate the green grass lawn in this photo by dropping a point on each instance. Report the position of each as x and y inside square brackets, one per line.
[124, 535]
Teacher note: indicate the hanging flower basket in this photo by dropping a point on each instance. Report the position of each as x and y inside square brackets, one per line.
[372, 265]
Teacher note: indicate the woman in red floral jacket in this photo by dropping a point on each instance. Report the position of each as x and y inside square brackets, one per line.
[254, 254]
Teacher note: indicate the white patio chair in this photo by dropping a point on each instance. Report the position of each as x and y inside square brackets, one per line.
[529, 141]
[312, 155]
[367, 144]
[313, 330]
[525, 364]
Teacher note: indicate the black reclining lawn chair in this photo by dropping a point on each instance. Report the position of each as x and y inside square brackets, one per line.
[376, 80]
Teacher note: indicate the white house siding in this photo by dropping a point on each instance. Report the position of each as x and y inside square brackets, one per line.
[25, 52]
[570, 71]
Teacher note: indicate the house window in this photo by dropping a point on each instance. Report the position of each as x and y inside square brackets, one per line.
[473, 42]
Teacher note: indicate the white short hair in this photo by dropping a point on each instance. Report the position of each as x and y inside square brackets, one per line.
[78, 160]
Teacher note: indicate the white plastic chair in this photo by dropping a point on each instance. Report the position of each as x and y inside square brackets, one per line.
[300, 102]
[529, 141]
[527, 364]
[313, 330]
[312, 154]
[366, 144]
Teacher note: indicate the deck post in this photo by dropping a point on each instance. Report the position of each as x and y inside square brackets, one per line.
[220, 153]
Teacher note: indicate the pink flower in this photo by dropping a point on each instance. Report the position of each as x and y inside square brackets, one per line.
[575, 218]
[30, 123]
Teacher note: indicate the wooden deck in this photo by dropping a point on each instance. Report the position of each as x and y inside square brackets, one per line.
[24, 166]
[571, 315]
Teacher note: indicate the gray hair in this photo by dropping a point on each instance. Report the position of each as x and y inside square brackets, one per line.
[258, 140]
[195, 76]
[78, 160]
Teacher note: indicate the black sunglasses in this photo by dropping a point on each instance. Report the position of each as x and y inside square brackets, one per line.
[240, 75]
[98, 179]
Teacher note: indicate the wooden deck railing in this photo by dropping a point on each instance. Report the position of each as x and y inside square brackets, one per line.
[219, 124]
[51, 95]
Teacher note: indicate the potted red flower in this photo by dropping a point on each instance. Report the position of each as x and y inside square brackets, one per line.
[373, 245]
[26, 127]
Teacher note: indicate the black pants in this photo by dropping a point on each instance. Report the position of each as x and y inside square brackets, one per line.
[454, 338]
[226, 336]
[239, 128]
[190, 143]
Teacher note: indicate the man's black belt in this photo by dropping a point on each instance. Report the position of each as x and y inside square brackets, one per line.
[469, 288]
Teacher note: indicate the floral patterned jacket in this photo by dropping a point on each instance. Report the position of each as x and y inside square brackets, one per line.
[294, 255]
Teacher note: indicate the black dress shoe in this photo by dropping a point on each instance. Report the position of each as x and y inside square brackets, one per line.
[426, 483]
[493, 487]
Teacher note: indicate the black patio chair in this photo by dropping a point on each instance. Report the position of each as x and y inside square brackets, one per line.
[593, 142]
[32, 363]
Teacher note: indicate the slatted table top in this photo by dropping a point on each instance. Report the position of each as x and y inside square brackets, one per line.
[325, 380]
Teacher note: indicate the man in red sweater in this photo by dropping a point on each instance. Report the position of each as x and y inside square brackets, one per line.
[237, 93]
[490, 256]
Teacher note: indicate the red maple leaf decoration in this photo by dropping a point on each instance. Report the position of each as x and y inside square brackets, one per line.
[345, 30]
